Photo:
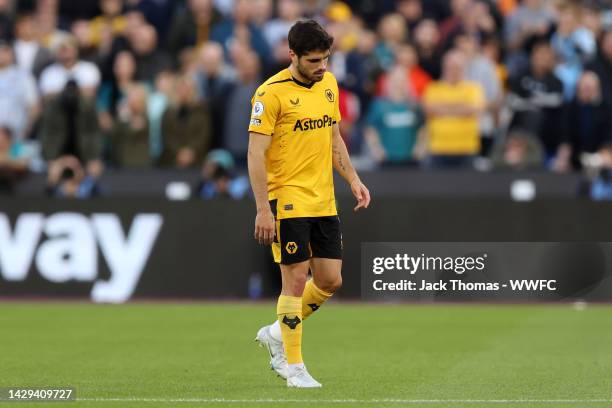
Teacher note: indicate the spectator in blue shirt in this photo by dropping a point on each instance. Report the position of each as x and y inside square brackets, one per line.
[393, 123]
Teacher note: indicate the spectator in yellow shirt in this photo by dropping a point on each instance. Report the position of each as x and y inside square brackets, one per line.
[452, 106]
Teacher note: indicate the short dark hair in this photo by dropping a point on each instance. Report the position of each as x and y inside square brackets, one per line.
[307, 36]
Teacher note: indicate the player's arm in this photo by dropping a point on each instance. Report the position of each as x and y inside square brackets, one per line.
[344, 167]
[264, 221]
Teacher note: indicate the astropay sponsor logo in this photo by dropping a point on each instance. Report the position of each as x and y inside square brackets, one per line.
[312, 124]
[64, 247]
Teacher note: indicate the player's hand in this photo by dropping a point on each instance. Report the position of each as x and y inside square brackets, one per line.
[361, 193]
[264, 227]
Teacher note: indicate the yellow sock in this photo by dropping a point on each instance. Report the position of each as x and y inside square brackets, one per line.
[289, 312]
[312, 298]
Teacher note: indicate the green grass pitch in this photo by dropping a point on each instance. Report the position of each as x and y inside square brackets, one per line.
[203, 355]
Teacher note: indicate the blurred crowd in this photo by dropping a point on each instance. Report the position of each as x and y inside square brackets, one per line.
[488, 84]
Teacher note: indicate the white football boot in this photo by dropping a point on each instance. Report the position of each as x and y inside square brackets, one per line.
[300, 378]
[278, 361]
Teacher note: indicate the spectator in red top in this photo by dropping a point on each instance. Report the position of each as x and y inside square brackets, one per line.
[407, 59]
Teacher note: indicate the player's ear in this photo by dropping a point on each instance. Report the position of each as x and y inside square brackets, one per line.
[293, 56]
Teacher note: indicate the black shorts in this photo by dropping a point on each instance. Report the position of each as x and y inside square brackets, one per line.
[299, 239]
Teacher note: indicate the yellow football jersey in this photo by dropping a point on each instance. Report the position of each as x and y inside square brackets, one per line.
[299, 118]
[454, 134]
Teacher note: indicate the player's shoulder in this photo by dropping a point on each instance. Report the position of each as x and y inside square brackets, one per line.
[330, 78]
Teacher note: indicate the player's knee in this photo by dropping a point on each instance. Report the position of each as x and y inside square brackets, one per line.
[332, 285]
[337, 284]
[296, 286]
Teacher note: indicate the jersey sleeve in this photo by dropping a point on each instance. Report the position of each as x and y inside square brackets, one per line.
[265, 111]
[337, 115]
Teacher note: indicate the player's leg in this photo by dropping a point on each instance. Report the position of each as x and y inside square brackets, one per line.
[293, 237]
[283, 338]
[290, 249]
[289, 309]
[326, 280]
[294, 265]
[326, 274]
[325, 264]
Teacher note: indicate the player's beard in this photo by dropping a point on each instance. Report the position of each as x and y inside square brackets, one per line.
[310, 78]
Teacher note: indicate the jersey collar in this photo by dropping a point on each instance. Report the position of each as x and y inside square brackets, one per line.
[298, 82]
[304, 84]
